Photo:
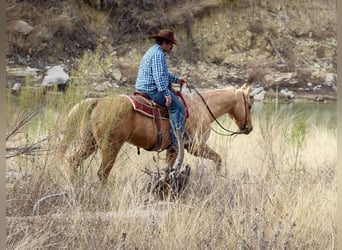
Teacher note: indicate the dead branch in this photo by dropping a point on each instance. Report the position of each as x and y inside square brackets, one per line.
[170, 181]
[167, 183]
[36, 205]
[31, 149]
[281, 59]
[26, 117]
[28, 149]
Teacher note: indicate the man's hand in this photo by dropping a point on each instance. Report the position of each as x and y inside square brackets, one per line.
[182, 80]
[168, 100]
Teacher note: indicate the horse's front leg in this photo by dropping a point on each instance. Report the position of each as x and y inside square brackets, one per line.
[171, 155]
[205, 151]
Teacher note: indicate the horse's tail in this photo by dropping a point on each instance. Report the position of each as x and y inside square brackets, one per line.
[77, 120]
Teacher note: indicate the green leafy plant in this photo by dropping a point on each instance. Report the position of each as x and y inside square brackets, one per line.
[297, 133]
[296, 137]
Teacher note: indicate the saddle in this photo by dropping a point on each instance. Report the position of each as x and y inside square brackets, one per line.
[142, 103]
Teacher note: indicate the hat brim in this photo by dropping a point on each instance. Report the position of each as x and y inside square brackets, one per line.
[164, 38]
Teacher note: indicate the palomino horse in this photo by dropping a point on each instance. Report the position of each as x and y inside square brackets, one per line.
[107, 123]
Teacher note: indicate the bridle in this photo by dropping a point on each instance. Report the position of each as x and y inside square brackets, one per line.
[245, 126]
[231, 133]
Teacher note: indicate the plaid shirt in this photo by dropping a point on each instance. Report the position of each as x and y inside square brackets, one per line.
[153, 73]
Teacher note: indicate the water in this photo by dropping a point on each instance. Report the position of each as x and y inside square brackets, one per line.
[317, 113]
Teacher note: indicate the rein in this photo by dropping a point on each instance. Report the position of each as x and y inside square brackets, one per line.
[212, 115]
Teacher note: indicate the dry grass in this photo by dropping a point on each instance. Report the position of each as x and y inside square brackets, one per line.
[277, 190]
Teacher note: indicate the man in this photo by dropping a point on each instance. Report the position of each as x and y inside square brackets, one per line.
[155, 80]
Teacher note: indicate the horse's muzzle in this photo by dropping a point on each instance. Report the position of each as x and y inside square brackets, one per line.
[245, 130]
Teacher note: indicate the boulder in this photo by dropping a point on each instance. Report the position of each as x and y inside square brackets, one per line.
[116, 74]
[16, 88]
[260, 96]
[55, 75]
[23, 27]
[256, 91]
[289, 94]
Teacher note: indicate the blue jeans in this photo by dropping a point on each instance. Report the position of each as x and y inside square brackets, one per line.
[177, 111]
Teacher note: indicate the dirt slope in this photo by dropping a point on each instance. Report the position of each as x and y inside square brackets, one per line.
[269, 43]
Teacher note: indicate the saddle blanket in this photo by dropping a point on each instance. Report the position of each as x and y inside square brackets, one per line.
[146, 106]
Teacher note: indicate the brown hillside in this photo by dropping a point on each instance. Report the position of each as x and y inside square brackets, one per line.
[222, 41]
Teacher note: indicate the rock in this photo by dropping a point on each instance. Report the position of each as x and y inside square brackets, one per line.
[213, 74]
[289, 94]
[256, 91]
[100, 88]
[283, 77]
[278, 77]
[319, 99]
[317, 88]
[268, 77]
[22, 72]
[115, 85]
[16, 88]
[116, 74]
[23, 27]
[329, 79]
[260, 96]
[55, 75]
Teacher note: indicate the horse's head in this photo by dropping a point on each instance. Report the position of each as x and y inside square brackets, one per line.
[241, 111]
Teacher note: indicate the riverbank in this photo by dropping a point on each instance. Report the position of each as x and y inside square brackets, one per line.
[282, 48]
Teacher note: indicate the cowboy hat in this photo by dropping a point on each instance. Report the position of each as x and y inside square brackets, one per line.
[165, 34]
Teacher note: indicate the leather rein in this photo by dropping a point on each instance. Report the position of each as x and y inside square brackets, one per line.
[231, 133]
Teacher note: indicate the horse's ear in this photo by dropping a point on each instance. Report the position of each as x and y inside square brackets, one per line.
[246, 88]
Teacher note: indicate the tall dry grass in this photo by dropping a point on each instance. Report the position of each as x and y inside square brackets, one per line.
[276, 190]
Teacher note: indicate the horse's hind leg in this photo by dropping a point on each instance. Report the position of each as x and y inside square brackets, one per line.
[85, 149]
[109, 153]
